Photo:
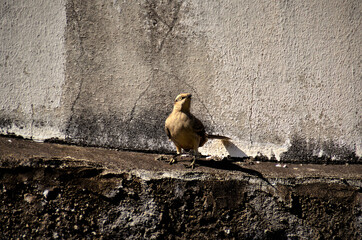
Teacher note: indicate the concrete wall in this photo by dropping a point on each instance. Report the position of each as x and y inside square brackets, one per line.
[32, 67]
[281, 78]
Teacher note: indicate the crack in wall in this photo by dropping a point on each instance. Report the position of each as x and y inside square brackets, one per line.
[137, 100]
[158, 16]
[357, 124]
[251, 111]
[82, 51]
[32, 121]
[73, 107]
[170, 26]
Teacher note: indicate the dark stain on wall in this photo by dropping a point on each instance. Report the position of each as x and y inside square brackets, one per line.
[5, 122]
[312, 151]
[133, 109]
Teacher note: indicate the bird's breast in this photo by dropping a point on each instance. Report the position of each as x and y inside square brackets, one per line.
[181, 130]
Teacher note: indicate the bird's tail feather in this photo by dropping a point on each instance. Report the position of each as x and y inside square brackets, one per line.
[210, 136]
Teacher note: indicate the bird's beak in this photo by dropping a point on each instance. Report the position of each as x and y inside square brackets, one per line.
[189, 96]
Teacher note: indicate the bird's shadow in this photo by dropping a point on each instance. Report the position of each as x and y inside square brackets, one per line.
[235, 155]
[233, 150]
[229, 164]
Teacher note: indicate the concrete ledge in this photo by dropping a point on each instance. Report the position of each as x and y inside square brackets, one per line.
[59, 191]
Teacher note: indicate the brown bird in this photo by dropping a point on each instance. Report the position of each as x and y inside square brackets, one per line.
[185, 130]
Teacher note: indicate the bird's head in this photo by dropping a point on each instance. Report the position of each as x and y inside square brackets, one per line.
[183, 102]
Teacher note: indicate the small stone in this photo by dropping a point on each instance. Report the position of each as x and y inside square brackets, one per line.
[29, 198]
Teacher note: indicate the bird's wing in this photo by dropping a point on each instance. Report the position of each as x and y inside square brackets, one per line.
[198, 127]
[168, 132]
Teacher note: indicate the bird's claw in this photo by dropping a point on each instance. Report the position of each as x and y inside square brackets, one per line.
[192, 164]
[172, 160]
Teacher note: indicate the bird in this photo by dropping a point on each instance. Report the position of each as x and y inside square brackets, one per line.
[185, 130]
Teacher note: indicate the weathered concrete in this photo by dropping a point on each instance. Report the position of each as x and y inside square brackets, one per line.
[32, 68]
[281, 78]
[67, 192]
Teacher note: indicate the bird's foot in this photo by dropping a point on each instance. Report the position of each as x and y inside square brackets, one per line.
[192, 164]
[172, 160]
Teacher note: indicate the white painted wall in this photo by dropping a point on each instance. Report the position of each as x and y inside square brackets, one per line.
[272, 75]
[32, 67]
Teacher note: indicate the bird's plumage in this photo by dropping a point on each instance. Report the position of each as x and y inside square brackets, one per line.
[183, 128]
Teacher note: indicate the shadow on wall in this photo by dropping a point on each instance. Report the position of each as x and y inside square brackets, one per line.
[233, 150]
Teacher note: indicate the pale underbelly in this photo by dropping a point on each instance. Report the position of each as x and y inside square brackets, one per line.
[187, 140]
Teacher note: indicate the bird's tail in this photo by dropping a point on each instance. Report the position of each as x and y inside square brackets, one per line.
[210, 136]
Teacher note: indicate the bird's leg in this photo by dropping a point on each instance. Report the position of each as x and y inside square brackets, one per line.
[173, 158]
[194, 157]
[192, 165]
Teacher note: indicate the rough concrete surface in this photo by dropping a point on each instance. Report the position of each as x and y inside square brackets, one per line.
[32, 61]
[52, 191]
[281, 78]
